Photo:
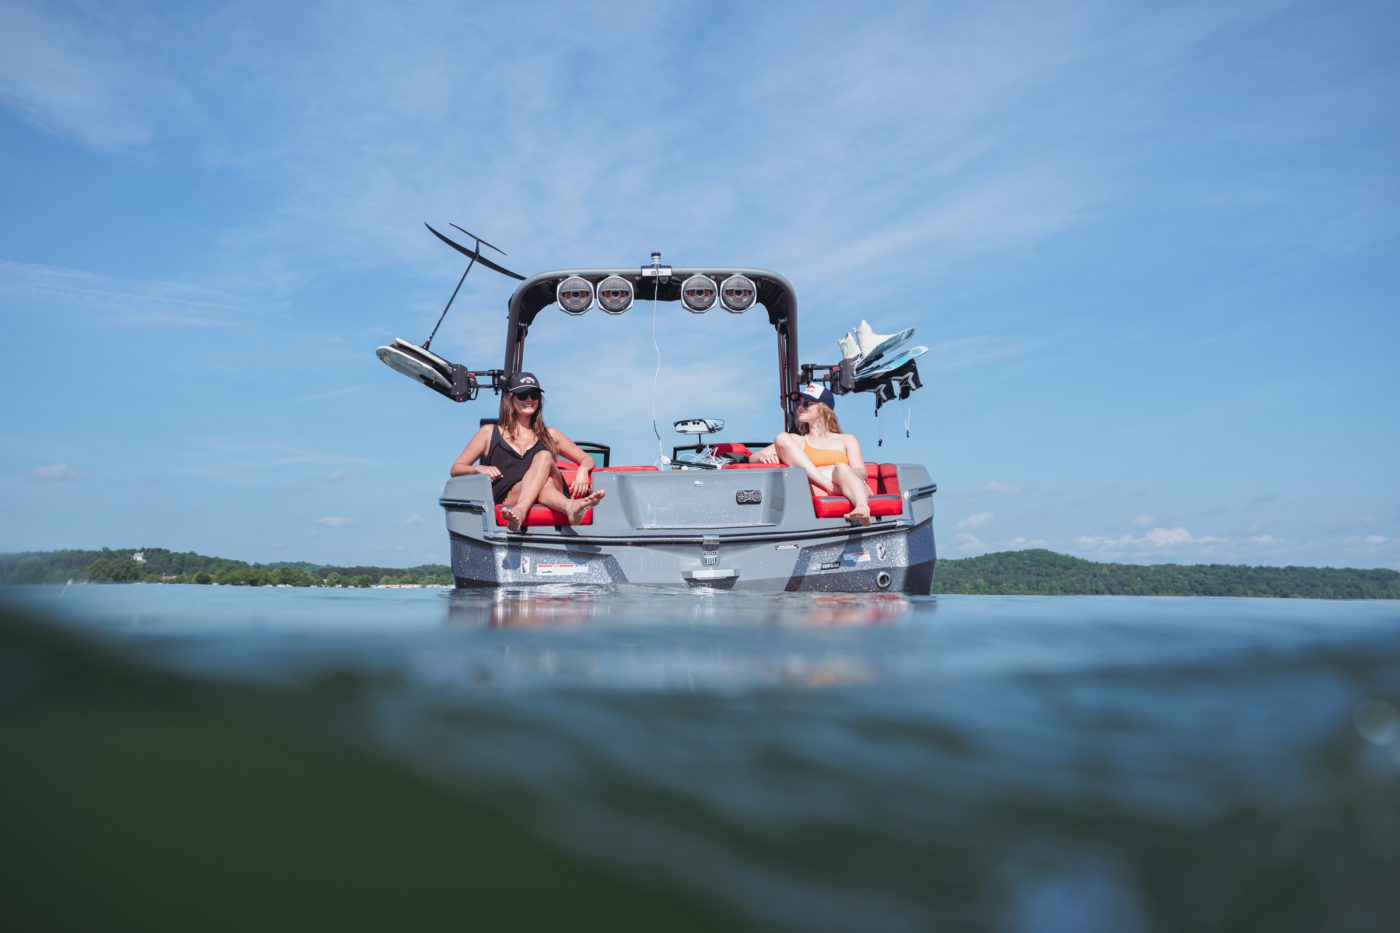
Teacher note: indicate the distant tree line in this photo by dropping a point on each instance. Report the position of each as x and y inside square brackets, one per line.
[1045, 573]
[158, 565]
[1031, 573]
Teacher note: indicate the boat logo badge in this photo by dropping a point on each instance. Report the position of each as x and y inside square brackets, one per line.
[748, 496]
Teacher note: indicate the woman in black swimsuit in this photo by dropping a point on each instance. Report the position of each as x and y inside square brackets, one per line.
[519, 453]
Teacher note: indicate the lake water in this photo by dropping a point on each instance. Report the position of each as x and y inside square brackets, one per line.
[219, 757]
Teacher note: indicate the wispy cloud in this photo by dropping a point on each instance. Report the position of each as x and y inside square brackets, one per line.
[414, 519]
[29, 288]
[54, 473]
[966, 542]
[336, 521]
[1002, 489]
[975, 521]
[64, 78]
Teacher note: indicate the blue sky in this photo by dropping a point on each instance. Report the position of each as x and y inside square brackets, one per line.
[1154, 251]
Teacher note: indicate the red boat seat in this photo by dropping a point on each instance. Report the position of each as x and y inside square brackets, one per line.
[838, 506]
[889, 478]
[626, 469]
[752, 466]
[732, 448]
[540, 515]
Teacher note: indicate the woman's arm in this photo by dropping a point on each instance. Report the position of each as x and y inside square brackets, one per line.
[853, 455]
[768, 454]
[464, 465]
[575, 453]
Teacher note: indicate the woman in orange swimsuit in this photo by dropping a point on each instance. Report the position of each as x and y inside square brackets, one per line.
[831, 459]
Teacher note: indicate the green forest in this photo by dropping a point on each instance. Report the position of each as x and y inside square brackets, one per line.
[1045, 573]
[1034, 573]
[158, 565]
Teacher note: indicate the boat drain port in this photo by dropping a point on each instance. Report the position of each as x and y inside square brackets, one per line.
[883, 580]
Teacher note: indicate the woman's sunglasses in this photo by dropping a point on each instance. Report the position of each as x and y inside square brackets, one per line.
[530, 395]
[806, 403]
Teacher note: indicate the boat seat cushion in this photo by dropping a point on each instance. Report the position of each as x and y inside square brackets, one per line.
[838, 506]
[754, 466]
[541, 516]
[889, 478]
[734, 449]
[648, 468]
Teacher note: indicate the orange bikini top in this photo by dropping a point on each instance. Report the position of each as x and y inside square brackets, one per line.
[822, 457]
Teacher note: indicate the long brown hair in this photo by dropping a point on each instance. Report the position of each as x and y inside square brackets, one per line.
[826, 417]
[506, 422]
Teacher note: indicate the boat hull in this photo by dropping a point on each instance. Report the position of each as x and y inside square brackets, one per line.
[681, 529]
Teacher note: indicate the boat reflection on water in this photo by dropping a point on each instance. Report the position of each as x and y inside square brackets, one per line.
[539, 607]
[687, 640]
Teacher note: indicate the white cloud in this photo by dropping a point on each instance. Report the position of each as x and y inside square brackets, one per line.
[1262, 539]
[1143, 521]
[967, 542]
[975, 521]
[1154, 539]
[54, 473]
[1002, 489]
[1019, 542]
[414, 519]
[1376, 539]
[335, 521]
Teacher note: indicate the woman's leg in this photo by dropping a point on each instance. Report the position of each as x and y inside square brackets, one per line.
[544, 483]
[853, 487]
[554, 496]
[526, 492]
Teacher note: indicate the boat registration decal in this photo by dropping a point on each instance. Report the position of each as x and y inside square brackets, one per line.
[559, 570]
[748, 496]
[855, 557]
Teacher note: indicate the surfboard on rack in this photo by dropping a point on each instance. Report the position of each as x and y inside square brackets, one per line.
[882, 347]
[891, 363]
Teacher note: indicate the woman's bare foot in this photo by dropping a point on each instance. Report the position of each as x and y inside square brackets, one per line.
[514, 516]
[859, 516]
[577, 507]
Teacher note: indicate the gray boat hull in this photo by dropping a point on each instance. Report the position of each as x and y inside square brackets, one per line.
[744, 530]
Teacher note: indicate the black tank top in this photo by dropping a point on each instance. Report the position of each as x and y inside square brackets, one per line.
[512, 465]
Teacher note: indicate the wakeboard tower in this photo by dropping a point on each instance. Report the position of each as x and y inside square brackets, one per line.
[706, 516]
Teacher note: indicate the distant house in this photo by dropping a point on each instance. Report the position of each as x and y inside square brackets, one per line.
[139, 557]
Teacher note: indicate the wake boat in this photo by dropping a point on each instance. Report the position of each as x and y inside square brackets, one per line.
[708, 517]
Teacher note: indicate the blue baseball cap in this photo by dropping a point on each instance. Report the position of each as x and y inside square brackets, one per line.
[818, 393]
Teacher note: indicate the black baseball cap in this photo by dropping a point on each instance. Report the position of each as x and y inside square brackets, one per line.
[522, 382]
[818, 393]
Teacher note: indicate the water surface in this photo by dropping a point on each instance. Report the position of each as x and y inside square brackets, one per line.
[820, 762]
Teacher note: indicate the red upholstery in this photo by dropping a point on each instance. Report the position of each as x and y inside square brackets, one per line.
[753, 466]
[837, 506]
[732, 448]
[889, 478]
[626, 469]
[539, 515]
